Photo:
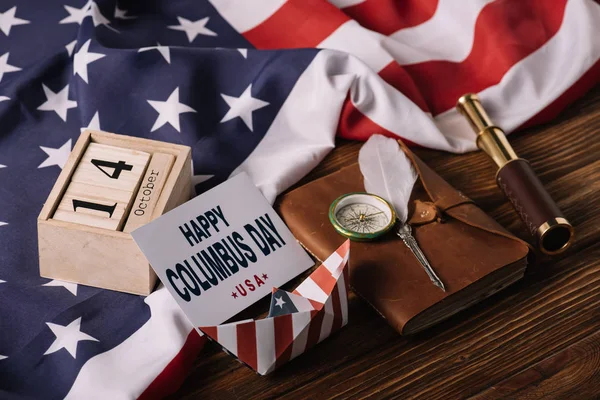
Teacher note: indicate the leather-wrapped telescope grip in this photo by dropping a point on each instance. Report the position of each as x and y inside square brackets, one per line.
[540, 214]
[534, 205]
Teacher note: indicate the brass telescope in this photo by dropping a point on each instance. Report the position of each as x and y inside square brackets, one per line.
[540, 214]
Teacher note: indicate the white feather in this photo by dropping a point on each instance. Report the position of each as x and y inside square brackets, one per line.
[387, 172]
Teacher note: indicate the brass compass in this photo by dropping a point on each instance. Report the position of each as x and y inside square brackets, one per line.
[365, 216]
[361, 216]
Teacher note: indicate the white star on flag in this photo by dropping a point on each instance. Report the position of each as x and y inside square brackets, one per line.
[168, 111]
[97, 16]
[76, 15]
[82, 58]
[122, 14]
[71, 287]
[2, 224]
[193, 28]
[1, 281]
[5, 67]
[279, 302]
[163, 50]
[57, 102]
[8, 20]
[2, 166]
[56, 156]
[90, 9]
[243, 52]
[67, 337]
[243, 106]
[4, 98]
[70, 47]
[94, 123]
[2, 357]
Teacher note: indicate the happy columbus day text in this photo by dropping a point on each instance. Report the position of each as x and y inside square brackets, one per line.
[224, 258]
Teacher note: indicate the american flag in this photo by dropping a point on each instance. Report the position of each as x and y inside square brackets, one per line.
[296, 321]
[214, 75]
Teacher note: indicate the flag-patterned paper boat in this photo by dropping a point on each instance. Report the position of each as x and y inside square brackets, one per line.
[296, 321]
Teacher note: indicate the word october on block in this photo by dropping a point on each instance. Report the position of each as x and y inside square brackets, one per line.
[149, 192]
[83, 228]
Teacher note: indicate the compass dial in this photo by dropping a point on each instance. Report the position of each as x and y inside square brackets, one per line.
[361, 216]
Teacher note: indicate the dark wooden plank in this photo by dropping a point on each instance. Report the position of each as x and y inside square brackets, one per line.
[571, 373]
[554, 309]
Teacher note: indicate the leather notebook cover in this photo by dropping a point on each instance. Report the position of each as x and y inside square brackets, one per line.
[472, 254]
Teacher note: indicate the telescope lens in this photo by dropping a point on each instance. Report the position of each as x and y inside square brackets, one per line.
[556, 239]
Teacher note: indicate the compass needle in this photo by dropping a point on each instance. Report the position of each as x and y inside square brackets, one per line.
[361, 216]
[364, 216]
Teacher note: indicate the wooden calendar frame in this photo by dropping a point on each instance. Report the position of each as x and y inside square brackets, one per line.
[100, 257]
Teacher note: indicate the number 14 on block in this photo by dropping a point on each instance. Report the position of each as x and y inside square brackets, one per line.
[103, 186]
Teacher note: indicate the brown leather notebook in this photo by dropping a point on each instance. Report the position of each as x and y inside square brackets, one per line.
[472, 254]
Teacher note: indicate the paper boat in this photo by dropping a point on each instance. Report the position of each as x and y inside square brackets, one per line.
[296, 321]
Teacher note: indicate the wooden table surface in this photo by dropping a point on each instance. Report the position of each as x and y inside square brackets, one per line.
[539, 338]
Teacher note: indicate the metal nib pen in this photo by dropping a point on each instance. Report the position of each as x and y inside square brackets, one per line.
[540, 214]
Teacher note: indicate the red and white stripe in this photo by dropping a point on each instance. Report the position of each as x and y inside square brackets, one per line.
[268, 343]
[433, 51]
[403, 76]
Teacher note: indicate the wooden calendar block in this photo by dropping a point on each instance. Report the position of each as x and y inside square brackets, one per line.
[151, 187]
[84, 245]
[111, 166]
[91, 205]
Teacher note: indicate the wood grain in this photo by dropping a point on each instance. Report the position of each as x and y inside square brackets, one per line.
[571, 373]
[111, 218]
[83, 254]
[150, 189]
[538, 339]
[102, 175]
